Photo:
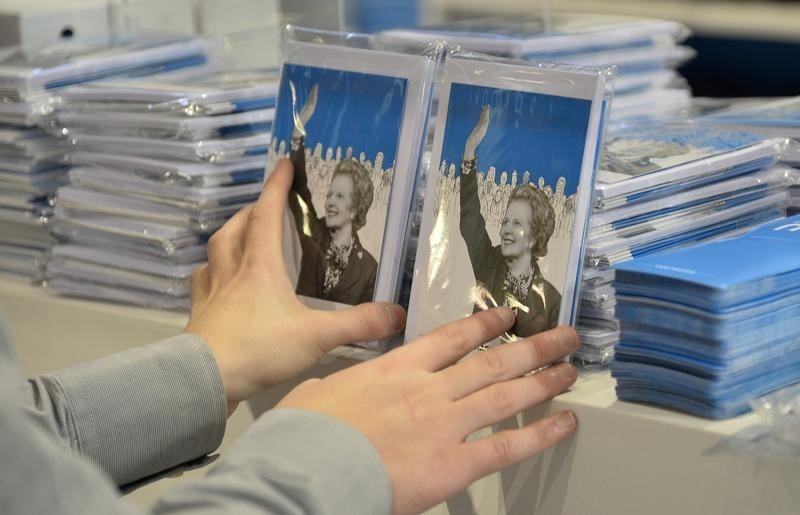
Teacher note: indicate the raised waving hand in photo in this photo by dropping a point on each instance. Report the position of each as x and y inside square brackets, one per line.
[306, 112]
[478, 133]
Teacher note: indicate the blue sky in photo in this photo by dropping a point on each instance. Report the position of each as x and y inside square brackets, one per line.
[544, 134]
[359, 110]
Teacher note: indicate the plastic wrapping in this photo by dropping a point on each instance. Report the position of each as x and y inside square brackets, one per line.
[211, 150]
[119, 123]
[514, 151]
[176, 172]
[25, 75]
[165, 239]
[189, 95]
[351, 114]
[83, 288]
[568, 34]
[649, 162]
[775, 118]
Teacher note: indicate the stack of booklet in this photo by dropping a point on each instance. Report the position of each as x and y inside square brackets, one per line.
[659, 187]
[776, 118]
[158, 164]
[645, 51]
[707, 328]
[32, 163]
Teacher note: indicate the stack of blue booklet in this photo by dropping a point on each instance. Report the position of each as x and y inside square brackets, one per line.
[665, 186]
[32, 164]
[645, 51]
[705, 329]
[158, 164]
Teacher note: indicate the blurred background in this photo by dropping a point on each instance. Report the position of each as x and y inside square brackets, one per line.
[744, 48]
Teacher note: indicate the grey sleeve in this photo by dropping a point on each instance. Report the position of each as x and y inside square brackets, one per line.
[290, 462]
[136, 413]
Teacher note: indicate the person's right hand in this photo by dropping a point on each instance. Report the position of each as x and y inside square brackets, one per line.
[417, 407]
[478, 133]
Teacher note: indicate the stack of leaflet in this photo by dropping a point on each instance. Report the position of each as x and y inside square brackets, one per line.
[777, 118]
[660, 187]
[31, 161]
[707, 328]
[156, 168]
[645, 51]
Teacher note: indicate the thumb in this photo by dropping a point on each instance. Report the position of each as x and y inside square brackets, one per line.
[367, 322]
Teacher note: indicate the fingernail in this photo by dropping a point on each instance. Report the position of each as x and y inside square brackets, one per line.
[565, 422]
[567, 338]
[566, 372]
[506, 314]
[396, 320]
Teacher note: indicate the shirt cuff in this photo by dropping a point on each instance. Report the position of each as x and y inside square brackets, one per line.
[142, 411]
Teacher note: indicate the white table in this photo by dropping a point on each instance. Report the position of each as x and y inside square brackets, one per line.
[625, 459]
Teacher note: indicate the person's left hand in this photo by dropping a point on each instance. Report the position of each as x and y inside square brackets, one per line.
[244, 305]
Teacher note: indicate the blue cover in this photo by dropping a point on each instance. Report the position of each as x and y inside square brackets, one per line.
[719, 275]
[783, 113]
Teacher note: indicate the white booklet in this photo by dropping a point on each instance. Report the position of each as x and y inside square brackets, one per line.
[508, 194]
[352, 121]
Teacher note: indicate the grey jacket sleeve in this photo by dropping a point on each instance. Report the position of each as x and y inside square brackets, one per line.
[122, 411]
[290, 462]
[135, 413]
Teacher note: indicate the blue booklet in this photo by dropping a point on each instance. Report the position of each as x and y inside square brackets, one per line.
[722, 274]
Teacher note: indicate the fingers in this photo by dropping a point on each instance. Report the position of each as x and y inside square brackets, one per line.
[487, 455]
[503, 400]
[263, 238]
[449, 343]
[509, 361]
[226, 246]
[368, 322]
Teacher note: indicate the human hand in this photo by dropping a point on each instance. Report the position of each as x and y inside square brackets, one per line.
[417, 407]
[478, 133]
[307, 111]
[244, 305]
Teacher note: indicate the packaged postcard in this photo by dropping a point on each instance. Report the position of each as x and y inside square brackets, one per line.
[80, 287]
[179, 173]
[189, 198]
[120, 123]
[188, 95]
[777, 118]
[124, 260]
[25, 74]
[678, 229]
[166, 239]
[210, 150]
[651, 162]
[508, 194]
[204, 221]
[732, 190]
[549, 38]
[352, 120]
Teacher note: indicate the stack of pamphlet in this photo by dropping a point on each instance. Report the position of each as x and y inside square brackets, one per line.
[661, 187]
[158, 165]
[31, 160]
[706, 328]
[776, 118]
[644, 51]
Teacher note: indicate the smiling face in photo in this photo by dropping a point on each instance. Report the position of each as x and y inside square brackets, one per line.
[515, 233]
[339, 202]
